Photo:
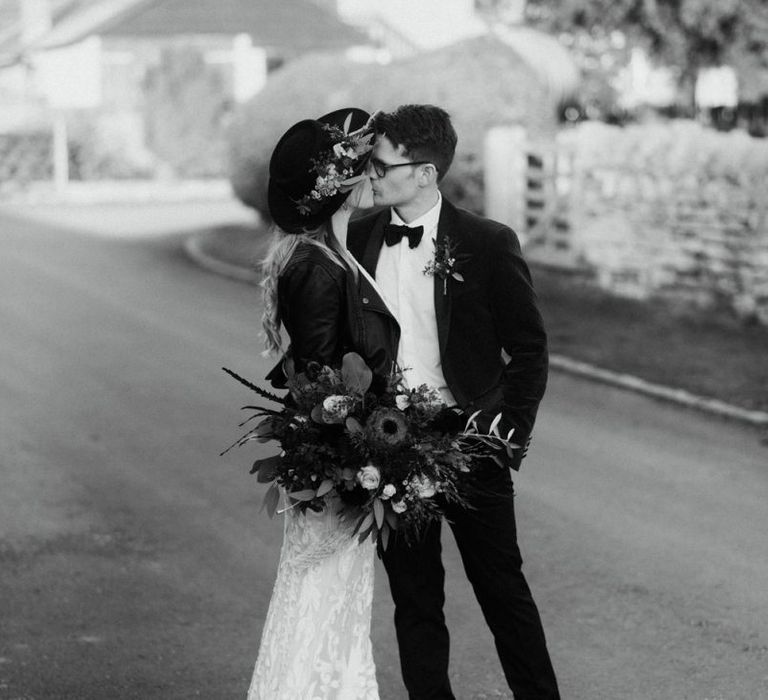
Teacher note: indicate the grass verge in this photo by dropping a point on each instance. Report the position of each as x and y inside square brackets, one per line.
[705, 352]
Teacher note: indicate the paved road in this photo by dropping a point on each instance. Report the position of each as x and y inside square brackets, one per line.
[135, 564]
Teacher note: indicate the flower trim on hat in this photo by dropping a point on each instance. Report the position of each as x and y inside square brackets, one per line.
[335, 166]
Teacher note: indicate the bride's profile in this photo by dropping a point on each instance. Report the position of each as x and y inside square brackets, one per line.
[316, 637]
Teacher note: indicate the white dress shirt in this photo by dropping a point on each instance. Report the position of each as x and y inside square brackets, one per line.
[409, 293]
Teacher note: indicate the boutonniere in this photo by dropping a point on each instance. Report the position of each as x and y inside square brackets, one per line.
[443, 265]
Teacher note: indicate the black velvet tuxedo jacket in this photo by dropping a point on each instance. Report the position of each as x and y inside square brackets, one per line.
[493, 347]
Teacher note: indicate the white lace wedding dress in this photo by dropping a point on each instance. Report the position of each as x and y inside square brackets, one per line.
[316, 641]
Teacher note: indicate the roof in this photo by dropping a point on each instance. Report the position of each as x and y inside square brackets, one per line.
[11, 30]
[288, 24]
[546, 56]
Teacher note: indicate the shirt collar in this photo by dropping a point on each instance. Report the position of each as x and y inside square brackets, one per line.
[428, 219]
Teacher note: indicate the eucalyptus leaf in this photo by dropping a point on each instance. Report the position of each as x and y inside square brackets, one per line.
[353, 425]
[303, 495]
[324, 487]
[266, 469]
[391, 517]
[494, 429]
[317, 414]
[367, 522]
[378, 512]
[357, 376]
[363, 536]
[271, 500]
[358, 525]
[511, 447]
[264, 429]
[471, 421]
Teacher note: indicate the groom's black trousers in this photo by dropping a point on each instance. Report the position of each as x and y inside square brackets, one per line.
[487, 540]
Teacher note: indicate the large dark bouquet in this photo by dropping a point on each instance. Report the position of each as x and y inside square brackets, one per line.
[386, 454]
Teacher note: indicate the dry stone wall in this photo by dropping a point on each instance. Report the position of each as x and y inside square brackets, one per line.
[672, 210]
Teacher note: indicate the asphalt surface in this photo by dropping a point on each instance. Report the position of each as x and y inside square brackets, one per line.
[134, 562]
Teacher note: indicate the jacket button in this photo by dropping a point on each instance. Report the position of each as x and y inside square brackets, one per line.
[365, 300]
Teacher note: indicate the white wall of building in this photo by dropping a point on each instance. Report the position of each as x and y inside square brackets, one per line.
[70, 77]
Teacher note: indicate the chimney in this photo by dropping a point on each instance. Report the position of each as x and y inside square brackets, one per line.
[35, 20]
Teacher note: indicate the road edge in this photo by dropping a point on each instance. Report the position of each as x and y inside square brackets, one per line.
[193, 247]
[658, 391]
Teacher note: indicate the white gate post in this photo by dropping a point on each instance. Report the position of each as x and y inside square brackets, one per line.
[60, 153]
[506, 163]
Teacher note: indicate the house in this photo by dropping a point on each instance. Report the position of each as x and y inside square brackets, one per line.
[404, 27]
[125, 66]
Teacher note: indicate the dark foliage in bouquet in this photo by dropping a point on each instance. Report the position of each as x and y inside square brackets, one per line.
[392, 456]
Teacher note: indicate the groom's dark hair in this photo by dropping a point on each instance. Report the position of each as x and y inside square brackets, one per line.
[424, 131]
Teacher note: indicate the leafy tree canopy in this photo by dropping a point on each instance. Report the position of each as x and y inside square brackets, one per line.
[686, 34]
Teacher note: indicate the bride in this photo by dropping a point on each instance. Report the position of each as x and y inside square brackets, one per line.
[316, 638]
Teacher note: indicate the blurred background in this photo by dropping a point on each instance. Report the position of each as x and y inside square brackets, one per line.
[623, 140]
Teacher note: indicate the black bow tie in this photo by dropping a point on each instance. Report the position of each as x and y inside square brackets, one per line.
[393, 234]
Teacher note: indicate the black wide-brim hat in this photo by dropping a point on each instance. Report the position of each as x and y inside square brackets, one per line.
[291, 169]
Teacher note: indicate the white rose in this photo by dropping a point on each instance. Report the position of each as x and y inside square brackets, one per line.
[399, 506]
[388, 491]
[424, 487]
[336, 408]
[338, 150]
[369, 477]
[402, 401]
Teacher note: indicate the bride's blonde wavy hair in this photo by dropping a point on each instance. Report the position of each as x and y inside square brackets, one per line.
[281, 248]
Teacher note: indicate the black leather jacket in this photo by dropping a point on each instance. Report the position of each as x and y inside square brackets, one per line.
[320, 305]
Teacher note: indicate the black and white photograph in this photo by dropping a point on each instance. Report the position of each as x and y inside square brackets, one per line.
[383, 349]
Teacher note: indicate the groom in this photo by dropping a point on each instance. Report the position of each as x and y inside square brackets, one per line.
[462, 294]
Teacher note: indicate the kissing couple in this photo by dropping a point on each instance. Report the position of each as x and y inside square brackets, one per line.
[467, 326]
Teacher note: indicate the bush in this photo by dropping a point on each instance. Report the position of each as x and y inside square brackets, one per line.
[186, 112]
[99, 153]
[455, 78]
[25, 157]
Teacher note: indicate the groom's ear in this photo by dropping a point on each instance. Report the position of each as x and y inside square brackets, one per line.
[427, 175]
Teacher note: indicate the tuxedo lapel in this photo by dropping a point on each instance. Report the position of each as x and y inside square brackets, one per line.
[442, 291]
[370, 258]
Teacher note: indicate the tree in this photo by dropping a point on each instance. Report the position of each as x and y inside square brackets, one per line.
[186, 113]
[685, 34]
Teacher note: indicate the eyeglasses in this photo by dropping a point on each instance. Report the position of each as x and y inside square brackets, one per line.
[381, 169]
